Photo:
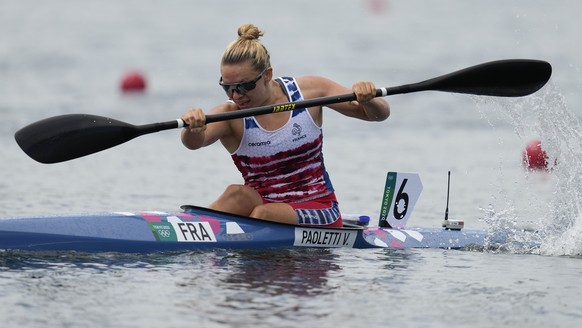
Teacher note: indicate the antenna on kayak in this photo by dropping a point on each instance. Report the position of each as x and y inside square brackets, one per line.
[451, 224]
[448, 192]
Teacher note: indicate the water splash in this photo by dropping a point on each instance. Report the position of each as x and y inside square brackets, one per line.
[505, 233]
[558, 230]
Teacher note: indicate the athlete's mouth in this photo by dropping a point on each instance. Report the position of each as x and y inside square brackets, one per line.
[242, 104]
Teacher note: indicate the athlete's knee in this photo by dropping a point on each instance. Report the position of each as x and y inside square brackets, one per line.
[261, 212]
[275, 212]
[241, 194]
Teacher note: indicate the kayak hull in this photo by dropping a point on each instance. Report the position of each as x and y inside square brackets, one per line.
[196, 228]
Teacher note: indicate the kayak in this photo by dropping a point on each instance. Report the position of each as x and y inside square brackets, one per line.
[197, 228]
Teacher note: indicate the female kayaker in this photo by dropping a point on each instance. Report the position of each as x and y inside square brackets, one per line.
[279, 155]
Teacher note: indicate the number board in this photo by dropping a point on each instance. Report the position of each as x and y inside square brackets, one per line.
[401, 192]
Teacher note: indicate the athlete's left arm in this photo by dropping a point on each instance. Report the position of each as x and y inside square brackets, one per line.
[367, 107]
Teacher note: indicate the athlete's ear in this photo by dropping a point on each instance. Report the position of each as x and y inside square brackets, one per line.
[268, 74]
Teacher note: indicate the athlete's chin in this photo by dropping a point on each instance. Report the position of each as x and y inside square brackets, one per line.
[243, 105]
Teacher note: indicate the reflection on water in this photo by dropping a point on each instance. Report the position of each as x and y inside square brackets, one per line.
[260, 288]
[250, 286]
[15, 261]
[274, 288]
[299, 272]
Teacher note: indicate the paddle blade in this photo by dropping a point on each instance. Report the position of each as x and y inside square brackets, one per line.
[502, 78]
[62, 138]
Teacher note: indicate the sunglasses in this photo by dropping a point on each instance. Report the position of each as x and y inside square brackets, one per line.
[242, 87]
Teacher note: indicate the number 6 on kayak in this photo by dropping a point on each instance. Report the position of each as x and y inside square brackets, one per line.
[400, 195]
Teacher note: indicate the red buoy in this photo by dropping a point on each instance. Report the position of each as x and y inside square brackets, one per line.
[133, 81]
[534, 157]
[377, 6]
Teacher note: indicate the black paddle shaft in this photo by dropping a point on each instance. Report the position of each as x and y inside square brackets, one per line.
[502, 78]
[66, 137]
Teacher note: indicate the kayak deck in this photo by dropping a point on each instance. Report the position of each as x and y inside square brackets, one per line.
[197, 228]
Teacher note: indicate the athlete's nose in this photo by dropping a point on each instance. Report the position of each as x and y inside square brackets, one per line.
[237, 93]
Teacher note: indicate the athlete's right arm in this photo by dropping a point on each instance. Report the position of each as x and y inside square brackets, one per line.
[197, 134]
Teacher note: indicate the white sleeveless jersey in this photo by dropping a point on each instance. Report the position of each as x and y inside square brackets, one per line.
[284, 165]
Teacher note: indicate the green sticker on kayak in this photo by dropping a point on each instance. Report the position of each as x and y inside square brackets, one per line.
[163, 231]
[387, 198]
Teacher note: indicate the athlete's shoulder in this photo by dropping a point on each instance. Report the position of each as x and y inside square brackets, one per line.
[314, 86]
[227, 106]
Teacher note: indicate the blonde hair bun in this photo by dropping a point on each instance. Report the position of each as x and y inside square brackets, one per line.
[247, 48]
[249, 32]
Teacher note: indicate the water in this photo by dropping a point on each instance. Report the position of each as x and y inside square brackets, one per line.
[68, 56]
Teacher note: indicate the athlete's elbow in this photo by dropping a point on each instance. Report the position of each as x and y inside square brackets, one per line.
[191, 147]
[380, 115]
[385, 114]
[191, 144]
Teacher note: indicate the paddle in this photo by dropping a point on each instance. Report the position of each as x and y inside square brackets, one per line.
[66, 137]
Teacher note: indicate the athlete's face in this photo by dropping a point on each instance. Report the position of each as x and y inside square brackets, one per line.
[243, 83]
